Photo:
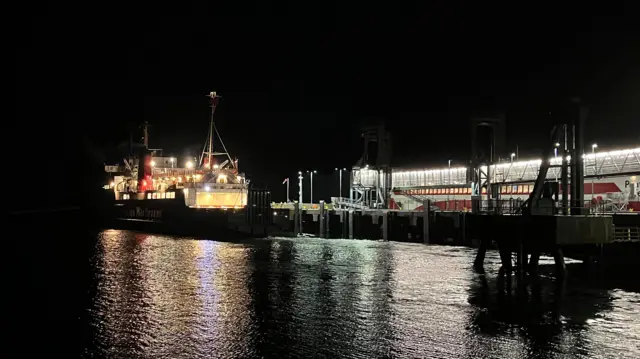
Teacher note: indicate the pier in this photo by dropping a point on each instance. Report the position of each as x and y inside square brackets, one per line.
[569, 203]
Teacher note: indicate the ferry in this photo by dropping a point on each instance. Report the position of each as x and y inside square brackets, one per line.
[206, 191]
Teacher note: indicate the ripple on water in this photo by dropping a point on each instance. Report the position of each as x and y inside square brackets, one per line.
[160, 296]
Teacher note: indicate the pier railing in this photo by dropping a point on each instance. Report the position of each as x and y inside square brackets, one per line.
[601, 164]
[514, 207]
[626, 234]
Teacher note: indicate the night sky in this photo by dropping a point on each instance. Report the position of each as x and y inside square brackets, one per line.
[296, 81]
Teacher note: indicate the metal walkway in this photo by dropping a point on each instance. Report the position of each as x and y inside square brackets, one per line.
[602, 164]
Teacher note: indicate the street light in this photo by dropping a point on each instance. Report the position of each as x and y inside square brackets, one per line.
[340, 179]
[311, 182]
[513, 154]
[300, 187]
[555, 155]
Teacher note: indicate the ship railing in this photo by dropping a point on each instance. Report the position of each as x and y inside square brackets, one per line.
[212, 186]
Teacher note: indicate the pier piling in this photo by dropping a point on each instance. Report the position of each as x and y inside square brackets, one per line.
[297, 218]
[321, 220]
[425, 221]
[350, 224]
[385, 225]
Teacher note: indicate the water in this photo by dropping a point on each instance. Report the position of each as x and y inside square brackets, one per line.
[150, 296]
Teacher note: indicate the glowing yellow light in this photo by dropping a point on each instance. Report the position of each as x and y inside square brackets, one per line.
[189, 164]
[215, 166]
[112, 184]
[153, 163]
[179, 179]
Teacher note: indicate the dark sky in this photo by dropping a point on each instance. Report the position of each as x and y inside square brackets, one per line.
[297, 80]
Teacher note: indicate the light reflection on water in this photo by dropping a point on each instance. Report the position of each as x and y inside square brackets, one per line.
[159, 296]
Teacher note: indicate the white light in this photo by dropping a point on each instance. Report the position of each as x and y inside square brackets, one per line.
[595, 145]
[206, 188]
[275, 213]
[153, 163]
[557, 144]
[189, 164]
[215, 166]
[513, 155]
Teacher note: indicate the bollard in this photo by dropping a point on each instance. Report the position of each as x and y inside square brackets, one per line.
[385, 225]
[321, 220]
[425, 221]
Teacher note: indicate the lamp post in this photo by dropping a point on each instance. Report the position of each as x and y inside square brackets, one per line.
[300, 187]
[512, 156]
[311, 183]
[340, 179]
[555, 155]
[286, 181]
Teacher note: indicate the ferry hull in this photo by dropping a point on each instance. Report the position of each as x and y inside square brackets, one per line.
[173, 216]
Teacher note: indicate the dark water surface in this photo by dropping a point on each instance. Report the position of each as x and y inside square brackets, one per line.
[151, 296]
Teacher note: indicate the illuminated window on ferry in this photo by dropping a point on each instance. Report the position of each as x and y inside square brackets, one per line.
[148, 195]
[161, 195]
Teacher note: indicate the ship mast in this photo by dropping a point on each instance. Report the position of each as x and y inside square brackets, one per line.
[145, 134]
[212, 133]
[214, 101]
